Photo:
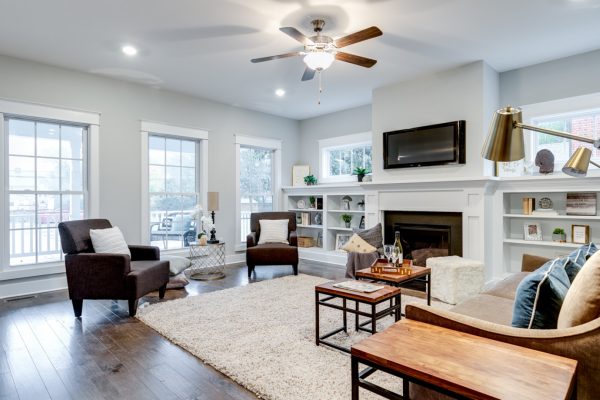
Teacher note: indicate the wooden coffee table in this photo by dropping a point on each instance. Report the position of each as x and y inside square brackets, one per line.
[460, 365]
[371, 299]
[422, 274]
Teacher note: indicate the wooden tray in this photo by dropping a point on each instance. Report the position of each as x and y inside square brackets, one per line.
[381, 266]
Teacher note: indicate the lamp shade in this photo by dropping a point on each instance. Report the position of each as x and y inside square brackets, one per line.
[505, 139]
[213, 201]
[578, 164]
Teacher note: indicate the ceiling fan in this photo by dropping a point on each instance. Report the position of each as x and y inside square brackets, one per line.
[320, 50]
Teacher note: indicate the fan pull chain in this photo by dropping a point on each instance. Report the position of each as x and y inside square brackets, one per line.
[320, 89]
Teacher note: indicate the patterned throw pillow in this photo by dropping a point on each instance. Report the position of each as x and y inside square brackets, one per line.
[357, 245]
[539, 297]
[372, 235]
[109, 240]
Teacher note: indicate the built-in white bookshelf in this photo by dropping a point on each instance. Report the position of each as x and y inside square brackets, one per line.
[328, 209]
[514, 221]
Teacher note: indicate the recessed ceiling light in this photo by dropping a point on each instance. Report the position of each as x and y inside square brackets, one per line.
[280, 92]
[129, 50]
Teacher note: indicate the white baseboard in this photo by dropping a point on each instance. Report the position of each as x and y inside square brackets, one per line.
[33, 285]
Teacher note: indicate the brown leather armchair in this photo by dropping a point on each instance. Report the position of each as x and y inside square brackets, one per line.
[271, 253]
[108, 276]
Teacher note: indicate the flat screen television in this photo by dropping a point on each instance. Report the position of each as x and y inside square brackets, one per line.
[426, 145]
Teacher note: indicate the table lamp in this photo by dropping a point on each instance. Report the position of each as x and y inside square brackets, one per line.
[213, 205]
[505, 142]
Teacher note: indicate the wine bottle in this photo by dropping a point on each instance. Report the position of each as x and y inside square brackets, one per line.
[398, 250]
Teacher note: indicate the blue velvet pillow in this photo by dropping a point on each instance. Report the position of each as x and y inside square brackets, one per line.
[540, 295]
[581, 255]
[570, 267]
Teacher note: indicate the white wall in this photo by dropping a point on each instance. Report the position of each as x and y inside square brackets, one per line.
[122, 105]
[346, 122]
[558, 79]
[457, 94]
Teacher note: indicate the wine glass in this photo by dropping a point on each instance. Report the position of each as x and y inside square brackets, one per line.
[387, 251]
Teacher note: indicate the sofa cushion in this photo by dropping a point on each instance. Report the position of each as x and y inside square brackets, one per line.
[356, 244]
[146, 276]
[488, 308]
[506, 287]
[582, 302]
[272, 254]
[177, 264]
[109, 240]
[540, 295]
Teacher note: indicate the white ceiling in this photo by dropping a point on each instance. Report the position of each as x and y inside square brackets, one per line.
[203, 48]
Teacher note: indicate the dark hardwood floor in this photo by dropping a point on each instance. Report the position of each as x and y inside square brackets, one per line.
[46, 353]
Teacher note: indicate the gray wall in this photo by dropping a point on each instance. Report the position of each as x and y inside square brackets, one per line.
[122, 105]
[456, 94]
[558, 79]
[346, 122]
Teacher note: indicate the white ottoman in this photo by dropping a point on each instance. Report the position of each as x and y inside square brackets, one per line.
[454, 279]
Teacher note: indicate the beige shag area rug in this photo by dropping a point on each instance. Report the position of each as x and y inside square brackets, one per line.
[263, 336]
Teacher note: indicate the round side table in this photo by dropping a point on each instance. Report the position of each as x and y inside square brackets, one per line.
[208, 261]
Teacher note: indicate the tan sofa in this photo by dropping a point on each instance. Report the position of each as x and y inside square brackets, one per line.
[489, 315]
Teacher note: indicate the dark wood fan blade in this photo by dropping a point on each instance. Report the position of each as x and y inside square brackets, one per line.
[354, 59]
[296, 34]
[309, 73]
[286, 55]
[359, 36]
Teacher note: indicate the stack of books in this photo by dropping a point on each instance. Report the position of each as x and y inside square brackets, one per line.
[528, 205]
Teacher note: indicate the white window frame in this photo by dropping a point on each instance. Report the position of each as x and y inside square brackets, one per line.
[341, 142]
[265, 143]
[9, 108]
[148, 128]
[557, 108]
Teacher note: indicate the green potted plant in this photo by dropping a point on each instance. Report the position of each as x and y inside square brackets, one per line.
[310, 180]
[559, 235]
[360, 173]
[312, 200]
[202, 238]
[347, 218]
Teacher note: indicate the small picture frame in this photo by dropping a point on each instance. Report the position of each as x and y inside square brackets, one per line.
[361, 225]
[298, 174]
[532, 231]
[341, 239]
[580, 234]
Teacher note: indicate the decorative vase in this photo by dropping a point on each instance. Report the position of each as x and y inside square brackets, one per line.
[559, 237]
[360, 177]
[347, 224]
[203, 240]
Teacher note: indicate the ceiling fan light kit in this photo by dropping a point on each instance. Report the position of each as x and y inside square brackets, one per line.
[320, 51]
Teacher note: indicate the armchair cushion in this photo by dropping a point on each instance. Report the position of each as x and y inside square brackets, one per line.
[273, 231]
[272, 254]
[109, 240]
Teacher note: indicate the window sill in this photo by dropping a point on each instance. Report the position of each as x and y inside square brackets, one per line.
[17, 272]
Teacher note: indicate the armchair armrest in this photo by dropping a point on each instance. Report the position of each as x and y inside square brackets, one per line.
[251, 240]
[139, 253]
[96, 275]
[293, 239]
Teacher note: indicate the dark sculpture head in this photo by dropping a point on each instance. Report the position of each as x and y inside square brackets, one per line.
[545, 160]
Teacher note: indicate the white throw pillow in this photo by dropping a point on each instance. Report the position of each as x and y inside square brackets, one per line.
[109, 240]
[273, 231]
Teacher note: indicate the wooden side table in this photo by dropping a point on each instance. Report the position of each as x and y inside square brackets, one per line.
[460, 365]
[371, 299]
[422, 274]
[208, 261]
